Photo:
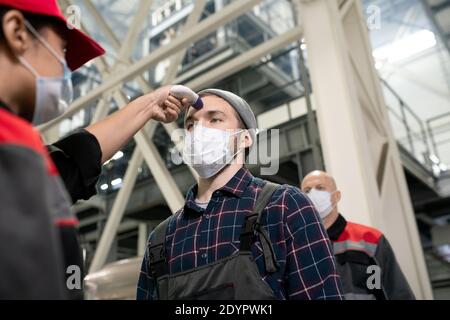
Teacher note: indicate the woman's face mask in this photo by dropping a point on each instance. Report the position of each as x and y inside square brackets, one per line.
[53, 94]
[208, 150]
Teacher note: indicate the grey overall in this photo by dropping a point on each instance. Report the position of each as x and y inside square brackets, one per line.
[234, 277]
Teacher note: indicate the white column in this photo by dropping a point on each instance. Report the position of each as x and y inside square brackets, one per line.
[357, 142]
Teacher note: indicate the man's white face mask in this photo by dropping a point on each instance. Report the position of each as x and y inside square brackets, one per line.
[208, 150]
[322, 201]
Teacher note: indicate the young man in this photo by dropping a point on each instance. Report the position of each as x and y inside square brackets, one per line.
[37, 230]
[357, 247]
[208, 250]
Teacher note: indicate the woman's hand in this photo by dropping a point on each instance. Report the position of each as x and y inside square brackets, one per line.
[164, 107]
[114, 131]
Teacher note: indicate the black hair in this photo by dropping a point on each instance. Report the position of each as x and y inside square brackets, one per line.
[37, 21]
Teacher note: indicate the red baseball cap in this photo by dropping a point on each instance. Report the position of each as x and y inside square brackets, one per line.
[80, 47]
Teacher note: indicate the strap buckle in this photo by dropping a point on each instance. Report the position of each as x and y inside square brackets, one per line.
[157, 260]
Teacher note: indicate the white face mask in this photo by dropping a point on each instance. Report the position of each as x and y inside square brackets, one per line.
[207, 150]
[53, 94]
[322, 201]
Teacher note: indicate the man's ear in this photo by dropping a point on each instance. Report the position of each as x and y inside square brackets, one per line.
[16, 37]
[248, 141]
[337, 196]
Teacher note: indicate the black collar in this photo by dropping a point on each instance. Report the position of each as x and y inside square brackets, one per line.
[336, 229]
[4, 106]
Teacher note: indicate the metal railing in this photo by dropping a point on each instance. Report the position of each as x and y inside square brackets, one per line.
[438, 128]
[408, 128]
[249, 29]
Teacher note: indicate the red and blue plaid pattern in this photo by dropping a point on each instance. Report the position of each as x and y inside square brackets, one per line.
[196, 237]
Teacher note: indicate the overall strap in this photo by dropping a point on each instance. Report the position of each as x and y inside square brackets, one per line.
[156, 251]
[252, 227]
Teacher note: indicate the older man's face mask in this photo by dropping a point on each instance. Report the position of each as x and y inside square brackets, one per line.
[322, 201]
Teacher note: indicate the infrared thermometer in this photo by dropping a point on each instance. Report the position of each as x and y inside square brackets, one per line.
[181, 92]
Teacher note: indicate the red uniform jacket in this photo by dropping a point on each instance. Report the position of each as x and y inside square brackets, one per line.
[38, 238]
[362, 254]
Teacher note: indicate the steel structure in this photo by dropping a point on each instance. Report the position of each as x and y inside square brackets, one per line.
[122, 72]
[342, 76]
[355, 131]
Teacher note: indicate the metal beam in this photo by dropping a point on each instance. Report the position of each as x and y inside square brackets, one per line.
[432, 16]
[124, 227]
[125, 50]
[110, 36]
[142, 238]
[246, 59]
[346, 127]
[134, 29]
[116, 215]
[163, 177]
[409, 76]
[145, 149]
[313, 130]
[151, 155]
[439, 7]
[165, 181]
[124, 53]
[198, 31]
[156, 165]
[103, 107]
[101, 110]
[176, 60]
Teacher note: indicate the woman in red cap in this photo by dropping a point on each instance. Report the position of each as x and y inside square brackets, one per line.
[38, 241]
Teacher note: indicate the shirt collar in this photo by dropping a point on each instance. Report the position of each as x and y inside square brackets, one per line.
[238, 183]
[336, 229]
[235, 187]
[190, 200]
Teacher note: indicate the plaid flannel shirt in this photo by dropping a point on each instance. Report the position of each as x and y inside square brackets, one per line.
[196, 237]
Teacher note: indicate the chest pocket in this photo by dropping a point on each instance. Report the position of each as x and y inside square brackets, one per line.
[353, 267]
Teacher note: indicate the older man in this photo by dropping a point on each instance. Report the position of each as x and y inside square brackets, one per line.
[357, 247]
